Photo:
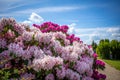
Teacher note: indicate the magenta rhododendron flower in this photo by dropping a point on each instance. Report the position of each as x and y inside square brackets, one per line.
[100, 63]
[95, 55]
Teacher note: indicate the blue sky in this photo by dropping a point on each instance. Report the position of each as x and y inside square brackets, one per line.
[88, 19]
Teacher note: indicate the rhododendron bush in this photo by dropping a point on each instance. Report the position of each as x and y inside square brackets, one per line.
[45, 52]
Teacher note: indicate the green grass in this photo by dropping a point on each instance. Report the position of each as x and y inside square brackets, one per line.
[113, 63]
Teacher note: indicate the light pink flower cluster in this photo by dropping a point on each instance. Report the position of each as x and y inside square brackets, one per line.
[16, 49]
[61, 73]
[3, 43]
[82, 67]
[27, 76]
[72, 75]
[47, 63]
[45, 52]
[50, 77]
[27, 36]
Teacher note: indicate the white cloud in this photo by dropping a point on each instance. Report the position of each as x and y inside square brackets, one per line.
[82, 35]
[40, 10]
[13, 7]
[94, 37]
[114, 30]
[72, 28]
[52, 9]
[87, 35]
[34, 18]
[116, 34]
[27, 22]
[47, 9]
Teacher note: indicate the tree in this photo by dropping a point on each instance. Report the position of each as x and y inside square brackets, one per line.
[103, 49]
[115, 49]
[109, 49]
[94, 45]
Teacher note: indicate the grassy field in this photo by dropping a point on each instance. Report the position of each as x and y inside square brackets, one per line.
[113, 63]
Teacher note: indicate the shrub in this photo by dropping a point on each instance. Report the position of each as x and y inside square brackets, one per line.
[44, 52]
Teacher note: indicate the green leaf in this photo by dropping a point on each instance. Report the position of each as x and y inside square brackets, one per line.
[26, 62]
[72, 64]
[16, 71]
[48, 72]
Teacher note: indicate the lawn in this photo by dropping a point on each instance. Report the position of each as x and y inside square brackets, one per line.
[113, 63]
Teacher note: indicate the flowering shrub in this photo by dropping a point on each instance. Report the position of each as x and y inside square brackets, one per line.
[44, 52]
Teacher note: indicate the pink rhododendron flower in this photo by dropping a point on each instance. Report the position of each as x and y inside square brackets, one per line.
[95, 55]
[50, 77]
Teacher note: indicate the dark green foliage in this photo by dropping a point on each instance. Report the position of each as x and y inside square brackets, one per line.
[94, 46]
[108, 49]
[115, 49]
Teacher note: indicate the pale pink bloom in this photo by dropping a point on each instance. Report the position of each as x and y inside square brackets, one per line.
[88, 60]
[89, 72]
[58, 61]
[46, 63]
[13, 79]
[66, 42]
[65, 54]
[82, 67]
[68, 73]
[69, 48]
[60, 35]
[3, 21]
[3, 43]
[27, 36]
[48, 52]
[75, 76]
[87, 78]
[32, 49]
[16, 49]
[78, 50]
[11, 21]
[76, 43]
[26, 55]
[50, 77]
[38, 54]
[46, 38]
[27, 76]
[60, 72]
[73, 57]
[71, 75]
[1, 26]
[55, 43]
[34, 29]
[19, 28]
[5, 55]
[10, 34]
[43, 37]
[58, 49]
[8, 65]
[90, 51]
[38, 36]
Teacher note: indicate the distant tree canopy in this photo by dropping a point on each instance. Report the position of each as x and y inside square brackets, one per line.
[115, 49]
[107, 49]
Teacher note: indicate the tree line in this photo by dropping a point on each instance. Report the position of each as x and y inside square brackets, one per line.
[107, 49]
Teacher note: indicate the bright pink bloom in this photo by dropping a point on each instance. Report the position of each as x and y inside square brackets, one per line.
[95, 55]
